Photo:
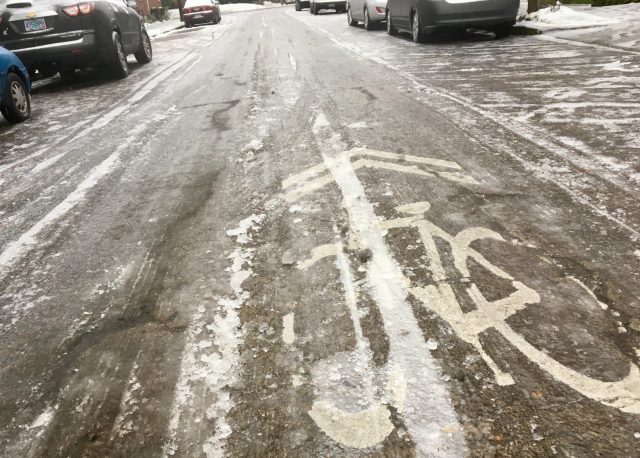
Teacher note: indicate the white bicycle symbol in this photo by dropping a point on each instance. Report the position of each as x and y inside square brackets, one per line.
[393, 380]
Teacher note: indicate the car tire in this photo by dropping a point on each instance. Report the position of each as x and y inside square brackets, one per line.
[368, 26]
[391, 29]
[118, 62]
[350, 20]
[502, 30]
[310, 8]
[416, 27]
[17, 101]
[298, 8]
[145, 53]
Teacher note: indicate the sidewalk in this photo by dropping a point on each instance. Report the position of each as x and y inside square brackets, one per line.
[616, 26]
[155, 29]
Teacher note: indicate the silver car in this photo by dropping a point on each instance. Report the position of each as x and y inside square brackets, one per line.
[421, 17]
[369, 12]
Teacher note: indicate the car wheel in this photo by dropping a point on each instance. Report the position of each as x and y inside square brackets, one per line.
[310, 8]
[144, 54]
[391, 30]
[298, 6]
[416, 28]
[367, 20]
[118, 62]
[352, 22]
[17, 105]
[503, 30]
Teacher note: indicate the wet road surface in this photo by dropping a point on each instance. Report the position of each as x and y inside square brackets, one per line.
[288, 237]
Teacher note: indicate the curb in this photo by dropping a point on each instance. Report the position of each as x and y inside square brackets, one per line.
[524, 30]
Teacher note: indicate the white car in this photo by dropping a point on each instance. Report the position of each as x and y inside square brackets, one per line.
[316, 5]
[369, 12]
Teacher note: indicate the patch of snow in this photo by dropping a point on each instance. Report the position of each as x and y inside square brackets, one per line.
[46, 163]
[211, 354]
[239, 7]
[43, 419]
[565, 17]
[244, 227]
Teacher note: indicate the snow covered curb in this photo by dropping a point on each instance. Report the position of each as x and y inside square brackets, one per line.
[160, 28]
[564, 18]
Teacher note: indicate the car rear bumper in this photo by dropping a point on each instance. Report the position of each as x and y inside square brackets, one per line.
[325, 4]
[200, 16]
[485, 13]
[378, 11]
[61, 50]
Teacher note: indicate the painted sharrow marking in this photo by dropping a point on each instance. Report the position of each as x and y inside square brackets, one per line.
[428, 409]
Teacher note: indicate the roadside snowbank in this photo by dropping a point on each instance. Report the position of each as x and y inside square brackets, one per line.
[563, 18]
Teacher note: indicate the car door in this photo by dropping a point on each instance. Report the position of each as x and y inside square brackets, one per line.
[401, 13]
[357, 7]
[133, 26]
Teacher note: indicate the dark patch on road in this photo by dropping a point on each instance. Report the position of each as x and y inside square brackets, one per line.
[370, 96]
[220, 118]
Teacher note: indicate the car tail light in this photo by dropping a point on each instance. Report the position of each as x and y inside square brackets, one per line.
[186, 10]
[72, 10]
[81, 8]
[86, 8]
[379, 10]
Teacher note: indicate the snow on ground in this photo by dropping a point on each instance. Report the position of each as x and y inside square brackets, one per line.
[563, 18]
[239, 7]
[158, 28]
[616, 26]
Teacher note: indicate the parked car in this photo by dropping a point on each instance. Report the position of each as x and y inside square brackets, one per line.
[301, 4]
[61, 36]
[15, 88]
[201, 11]
[369, 12]
[316, 5]
[421, 17]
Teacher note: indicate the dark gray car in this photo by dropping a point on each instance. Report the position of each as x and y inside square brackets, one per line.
[421, 17]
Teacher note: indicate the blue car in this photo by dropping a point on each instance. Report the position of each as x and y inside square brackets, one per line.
[15, 88]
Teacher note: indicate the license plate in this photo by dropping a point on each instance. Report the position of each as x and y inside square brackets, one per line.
[332, 5]
[33, 25]
[197, 16]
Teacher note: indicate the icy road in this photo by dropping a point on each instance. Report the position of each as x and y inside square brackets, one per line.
[291, 237]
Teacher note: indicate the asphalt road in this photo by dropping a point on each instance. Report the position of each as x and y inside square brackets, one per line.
[288, 237]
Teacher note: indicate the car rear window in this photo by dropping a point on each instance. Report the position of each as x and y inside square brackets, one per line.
[191, 3]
